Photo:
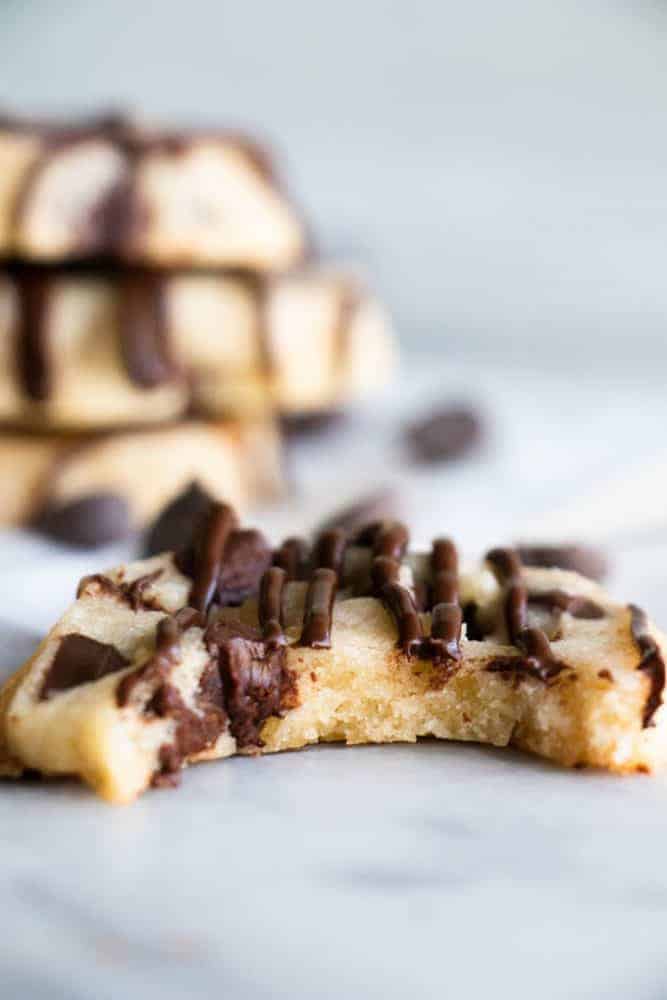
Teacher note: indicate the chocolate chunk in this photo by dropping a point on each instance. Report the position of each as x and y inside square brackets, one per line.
[175, 526]
[80, 659]
[381, 505]
[255, 680]
[651, 663]
[204, 562]
[246, 558]
[96, 519]
[444, 435]
[132, 594]
[585, 559]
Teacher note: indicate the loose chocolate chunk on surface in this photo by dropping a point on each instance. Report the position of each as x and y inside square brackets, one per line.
[246, 557]
[444, 435]
[585, 559]
[96, 519]
[380, 505]
[175, 526]
[78, 660]
[651, 662]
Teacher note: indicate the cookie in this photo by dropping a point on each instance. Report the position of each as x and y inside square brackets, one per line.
[211, 651]
[93, 489]
[111, 188]
[90, 350]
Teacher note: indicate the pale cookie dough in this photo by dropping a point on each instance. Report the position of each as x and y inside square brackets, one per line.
[213, 651]
[93, 489]
[111, 188]
[89, 350]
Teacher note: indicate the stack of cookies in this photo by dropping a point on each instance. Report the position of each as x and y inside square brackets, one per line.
[159, 324]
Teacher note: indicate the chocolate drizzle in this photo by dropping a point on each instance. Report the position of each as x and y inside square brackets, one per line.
[329, 550]
[318, 609]
[651, 663]
[574, 604]
[399, 603]
[32, 349]
[79, 660]
[208, 553]
[270, 606]
[142, 325]
[447, 614]
[538, 659]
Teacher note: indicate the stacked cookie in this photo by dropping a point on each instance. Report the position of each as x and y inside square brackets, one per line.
[156, 316]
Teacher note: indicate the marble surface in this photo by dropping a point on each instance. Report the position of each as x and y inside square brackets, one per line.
[428, 870]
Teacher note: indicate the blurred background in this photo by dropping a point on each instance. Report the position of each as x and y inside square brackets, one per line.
[499, 169]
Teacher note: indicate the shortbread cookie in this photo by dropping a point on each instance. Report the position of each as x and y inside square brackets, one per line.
[228, 647]
[110, 188]
[94, 489]
[91, 350]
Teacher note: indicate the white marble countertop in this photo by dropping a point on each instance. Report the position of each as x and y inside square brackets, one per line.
[429, 870]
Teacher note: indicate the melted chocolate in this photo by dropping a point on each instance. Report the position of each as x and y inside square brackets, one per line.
[142, 323]
[79, 660]
[318, 609]
[167, 654]
[651, 663]
[270, 606]
[256, 683]
[132, 594]
[389, 539]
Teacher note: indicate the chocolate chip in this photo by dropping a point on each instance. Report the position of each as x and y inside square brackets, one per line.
[96, 519]
[246, 558]
[585, 559]
[380, 505]
[175, 525]
[80, 659]
[446, 434]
